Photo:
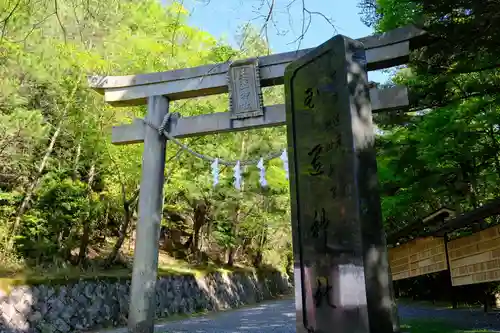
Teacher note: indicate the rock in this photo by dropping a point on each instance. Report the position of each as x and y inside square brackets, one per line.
[90, 305]
[34, 317]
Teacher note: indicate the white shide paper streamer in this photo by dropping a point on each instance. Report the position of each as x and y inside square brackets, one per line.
[237, 176]
[262, 168]
[284, 158]
[215, 172]
[237, 171]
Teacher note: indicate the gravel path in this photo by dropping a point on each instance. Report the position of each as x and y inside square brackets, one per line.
[269, 317]
[279, 317]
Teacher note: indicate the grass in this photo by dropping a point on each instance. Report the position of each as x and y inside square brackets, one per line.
[439, 304]
[434, 326]
[63, 274]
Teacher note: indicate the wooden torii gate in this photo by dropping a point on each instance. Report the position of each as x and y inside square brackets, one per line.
[325, 85]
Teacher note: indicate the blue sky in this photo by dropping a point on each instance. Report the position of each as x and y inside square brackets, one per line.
[222, 18]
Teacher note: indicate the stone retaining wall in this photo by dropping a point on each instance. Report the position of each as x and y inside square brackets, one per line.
[92, 304]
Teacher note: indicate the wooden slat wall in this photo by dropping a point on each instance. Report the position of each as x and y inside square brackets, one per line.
[475, 258]
[418, 257]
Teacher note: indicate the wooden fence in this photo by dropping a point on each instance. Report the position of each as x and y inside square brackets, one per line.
[471, 259]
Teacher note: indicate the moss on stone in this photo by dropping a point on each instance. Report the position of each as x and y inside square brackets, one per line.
[33, 277]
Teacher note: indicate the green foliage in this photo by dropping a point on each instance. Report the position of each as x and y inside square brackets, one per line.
[435, 326]
[446, 152]
[70, 188]
[385, 15]
[51, 226]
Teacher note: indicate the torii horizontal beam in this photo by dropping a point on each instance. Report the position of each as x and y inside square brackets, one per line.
[382, 51]
[183, 127]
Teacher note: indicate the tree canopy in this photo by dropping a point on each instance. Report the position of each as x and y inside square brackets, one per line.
[444, 152]
[67, 195]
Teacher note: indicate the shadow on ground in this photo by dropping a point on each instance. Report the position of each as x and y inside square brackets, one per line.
[279, 317]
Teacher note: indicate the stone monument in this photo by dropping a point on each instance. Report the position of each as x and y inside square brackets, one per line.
[341, 266]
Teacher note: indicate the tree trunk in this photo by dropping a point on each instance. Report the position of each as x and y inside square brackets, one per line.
[473, 186]
[494, 143]
[467, 173]
[230, 256]
[234, 228]
[38, 176]
[77, 160]
[259, 255]
[200, 218]
[82, 255]
[127, 217]
[189, 243]
[132, 237]
[123, 233]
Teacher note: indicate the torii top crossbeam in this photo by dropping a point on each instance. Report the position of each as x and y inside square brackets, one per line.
[382, 51]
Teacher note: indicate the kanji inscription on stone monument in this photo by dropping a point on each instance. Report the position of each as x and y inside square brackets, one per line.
[339, 242]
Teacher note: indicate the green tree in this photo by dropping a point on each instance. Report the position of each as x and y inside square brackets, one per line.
[445, 152]
[65, 189]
